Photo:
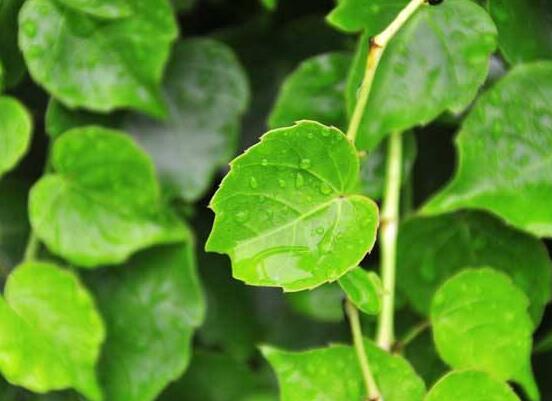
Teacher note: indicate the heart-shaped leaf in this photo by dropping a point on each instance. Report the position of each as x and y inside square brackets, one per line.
[285, 213]
[431, 250]
[15, 132]
[90, 62]
[102, 203]
[435, 63]
[504, 151]
[207, 92]
[480, 321]
[470, 385]
[333, 373]
[151, 307]
[364, 289]
[50, 331]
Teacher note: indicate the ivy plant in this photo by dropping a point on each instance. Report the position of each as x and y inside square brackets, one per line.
[248, 200]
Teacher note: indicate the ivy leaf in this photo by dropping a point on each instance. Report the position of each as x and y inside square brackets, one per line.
[10, 55]
[314, 91]
[358, 15]
[364, 289]
[470, 386]
[431, 250]
[524, 29]
[333, 374]
[15, 133]
[324, 303]
[103, 202]
[50, 331]
[98, 64]
[504, 149]
[101, 8]
[435, 63]
[285, 213]
[207, 92]
[14, 227]
[152, 307]
[480, 321]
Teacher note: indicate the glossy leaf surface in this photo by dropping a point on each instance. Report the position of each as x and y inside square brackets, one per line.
[431, 250]
[436, 62]
[470, 386]
[364, 289]
[102, 203]
[50, 332]
[15, 132]
[333, 374]
[285, 215]
[99, 64]
[480, 321]
[206, 91]
[504, 151]
[152, 307]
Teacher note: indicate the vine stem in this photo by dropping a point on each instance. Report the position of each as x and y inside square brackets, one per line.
[369, 381]
[388, 239]
[378, 45]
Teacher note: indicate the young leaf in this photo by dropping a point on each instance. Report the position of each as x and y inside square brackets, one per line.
[14, 227]
[207, 92]
[504, 148]
[333, 374]
[151, 308]
[431, 250]
[364, 290]
[314, 91]
[470, 385]
[436, 62]
[99, 64]
[101, 8]
[480, 321]
[10, 55]
[360, 15]
[15, 133]
[50, 331]
[324, 303]
[285, 213]
[524, 29]
[103, 201]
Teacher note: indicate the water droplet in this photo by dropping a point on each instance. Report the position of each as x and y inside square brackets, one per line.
[282, 183]
[264, 162]
[253, 183]
[305, 163]
[242, 216]
[29, 28]
[325, 188]
[299, 181]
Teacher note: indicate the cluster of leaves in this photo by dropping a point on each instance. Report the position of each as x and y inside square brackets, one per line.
[100, 243]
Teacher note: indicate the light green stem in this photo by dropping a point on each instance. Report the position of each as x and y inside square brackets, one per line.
[358, 340]
[388, 239]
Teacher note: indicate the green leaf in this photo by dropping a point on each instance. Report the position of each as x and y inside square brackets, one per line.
[436, 62]
[14, 227]
[99, 64]
[524, 29]
[333, 373]
[270, 4]
[324, 303]
[151, 307]
[431, 250]
[60, 119]
[373, 165]
[504, 148]
[480, 321]
[10, 55]
[314, 91]
[15, 133]
[470, 386]
[102, 8]
[207, 92]
[361, 15]
[285, 213]
[364, 289]
[102, 203]
[50, 331]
